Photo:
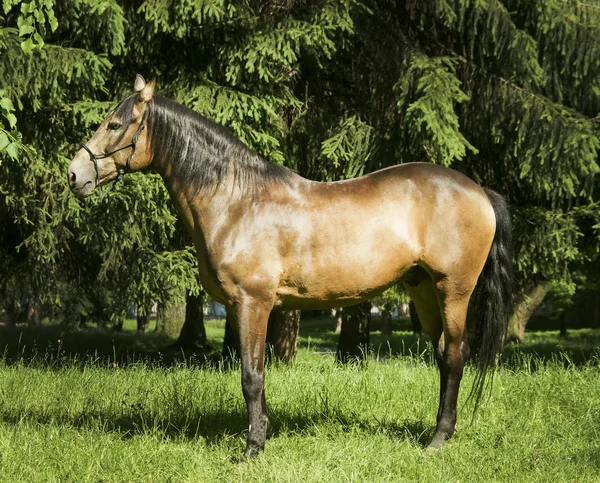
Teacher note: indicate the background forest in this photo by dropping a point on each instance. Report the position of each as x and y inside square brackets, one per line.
[505, 92]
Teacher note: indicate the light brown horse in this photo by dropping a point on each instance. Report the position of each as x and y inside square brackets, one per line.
[269, 239]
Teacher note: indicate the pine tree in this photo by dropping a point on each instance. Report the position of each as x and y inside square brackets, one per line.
[235, 62]
[506, 93]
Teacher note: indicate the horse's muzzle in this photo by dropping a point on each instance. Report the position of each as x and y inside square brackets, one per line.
[81, 176]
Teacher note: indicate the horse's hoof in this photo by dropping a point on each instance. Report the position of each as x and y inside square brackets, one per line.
[438, 441]
[250, 453]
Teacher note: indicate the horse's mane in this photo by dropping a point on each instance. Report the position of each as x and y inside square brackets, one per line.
[200, 151]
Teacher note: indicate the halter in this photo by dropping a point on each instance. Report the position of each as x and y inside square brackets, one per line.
[121, 171]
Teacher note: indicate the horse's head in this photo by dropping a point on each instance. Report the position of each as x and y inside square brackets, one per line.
[121, 144]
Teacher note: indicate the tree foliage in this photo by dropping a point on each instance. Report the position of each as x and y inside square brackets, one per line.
[506, 92]
[503, 92]
[234, 62]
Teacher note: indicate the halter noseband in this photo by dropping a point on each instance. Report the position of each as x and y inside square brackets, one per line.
[122, 171]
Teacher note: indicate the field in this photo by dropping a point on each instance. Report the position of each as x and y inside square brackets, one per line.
[98, 406]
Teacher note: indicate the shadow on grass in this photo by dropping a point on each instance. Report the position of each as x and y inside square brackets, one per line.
[49, 345]
[578, 348]
[53, 347]
[215, 426]
[46, 344]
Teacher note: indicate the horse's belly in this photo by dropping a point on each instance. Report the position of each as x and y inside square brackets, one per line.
[347, 272]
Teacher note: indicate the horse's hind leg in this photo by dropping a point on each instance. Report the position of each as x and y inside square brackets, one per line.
[251, 318]
[424, 295]
[452, 353]
[443, 316]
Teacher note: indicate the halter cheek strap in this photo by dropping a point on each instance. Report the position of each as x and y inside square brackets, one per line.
[124, 170]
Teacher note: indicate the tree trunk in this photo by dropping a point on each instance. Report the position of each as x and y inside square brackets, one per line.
[312, 314]
[523, 310]
[12, 313]
[403, 310]
[231, 345]
[414, 318]
[354, 337]
[282, 335]
[143, 321]
[386, 319]
[193, 332]
[170, 320]
[339, 316]
[563, 324]
[34, 318]
[118, 325]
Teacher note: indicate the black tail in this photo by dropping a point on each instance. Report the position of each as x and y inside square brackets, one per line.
[491, 302]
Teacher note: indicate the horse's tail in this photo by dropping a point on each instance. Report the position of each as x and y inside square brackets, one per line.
[491, 302]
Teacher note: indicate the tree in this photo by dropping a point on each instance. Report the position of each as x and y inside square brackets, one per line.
[231, 345]
[282, 335]
[52, 241]
[524, 308]
[232, 61]
[506, 93]
[193, 332]
[390, 300]
[354, 338]
[143, 321]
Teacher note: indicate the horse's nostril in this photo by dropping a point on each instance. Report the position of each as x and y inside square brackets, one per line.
[72, 176]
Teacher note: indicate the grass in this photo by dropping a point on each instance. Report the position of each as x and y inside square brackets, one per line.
[100, 406]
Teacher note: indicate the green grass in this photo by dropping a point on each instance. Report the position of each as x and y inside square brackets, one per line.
[127, 411]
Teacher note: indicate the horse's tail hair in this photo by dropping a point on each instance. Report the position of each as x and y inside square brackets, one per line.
[491, 303]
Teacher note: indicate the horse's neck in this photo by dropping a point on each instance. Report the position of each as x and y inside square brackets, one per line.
[198, 209]
[205, 211]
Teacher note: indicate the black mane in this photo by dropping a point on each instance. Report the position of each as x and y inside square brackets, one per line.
[201, 151]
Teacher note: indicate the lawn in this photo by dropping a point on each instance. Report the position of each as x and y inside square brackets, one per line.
[100, 406]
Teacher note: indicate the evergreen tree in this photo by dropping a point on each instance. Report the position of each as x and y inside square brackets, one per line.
[505, 92]
[235, 62]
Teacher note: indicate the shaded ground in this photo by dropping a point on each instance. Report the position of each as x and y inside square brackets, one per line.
[50, 342]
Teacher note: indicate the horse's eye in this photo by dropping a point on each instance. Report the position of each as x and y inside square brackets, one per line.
[115, 126]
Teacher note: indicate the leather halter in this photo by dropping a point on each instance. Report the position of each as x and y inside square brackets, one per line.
[124, 170]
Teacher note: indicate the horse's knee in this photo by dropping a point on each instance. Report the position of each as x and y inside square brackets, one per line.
[458, 353]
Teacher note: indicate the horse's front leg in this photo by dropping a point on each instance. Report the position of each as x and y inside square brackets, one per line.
[251, 317]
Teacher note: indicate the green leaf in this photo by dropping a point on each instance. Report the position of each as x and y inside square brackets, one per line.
[3, 140]
[12, 120]
[39, 40]
[26, 8]
[25, 29]
[27, 45]
[53, 22]
[6, 104]
[13, 150]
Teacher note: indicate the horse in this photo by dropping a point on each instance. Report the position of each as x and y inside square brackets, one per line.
[268, 239]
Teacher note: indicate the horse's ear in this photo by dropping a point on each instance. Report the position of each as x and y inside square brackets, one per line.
[144, 89]
[147, 93]
[139, 83]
